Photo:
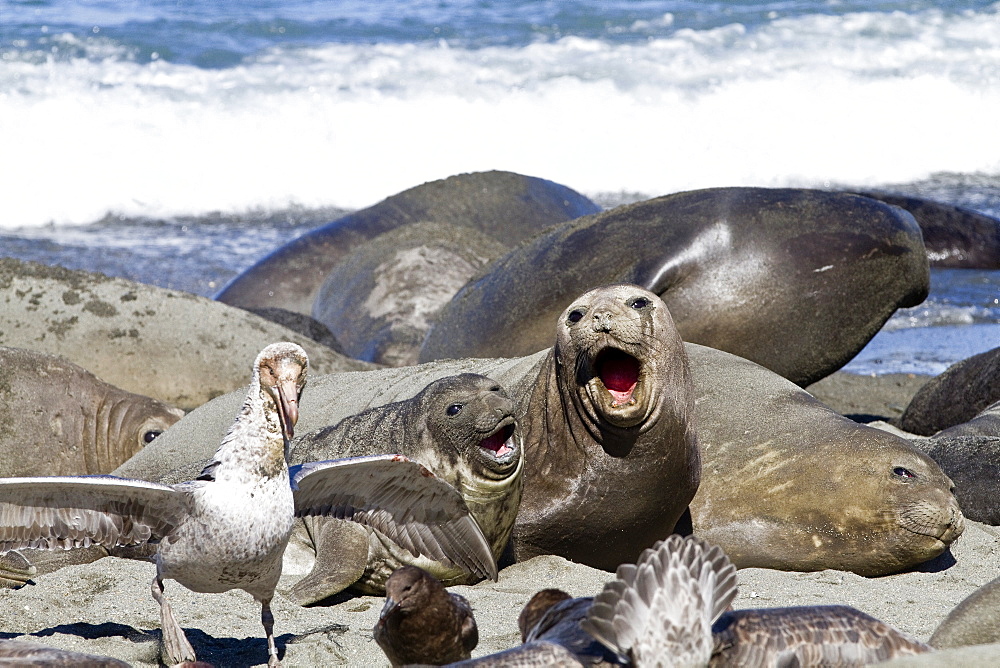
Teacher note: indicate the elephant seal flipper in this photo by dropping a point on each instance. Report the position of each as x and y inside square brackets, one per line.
[341, 555]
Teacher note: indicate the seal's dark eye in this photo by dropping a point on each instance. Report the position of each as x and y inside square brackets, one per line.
[454, 409]
[639, 303]
[150, 435]
[903, 473]
[576, 315]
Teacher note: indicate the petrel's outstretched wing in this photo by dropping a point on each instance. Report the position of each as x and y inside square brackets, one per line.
[63, 512]
[400, 498]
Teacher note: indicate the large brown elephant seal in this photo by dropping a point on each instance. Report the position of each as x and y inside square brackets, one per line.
[954, 236]
[462, 428]
[57, 418]
[138, 337]
[955, 396]
[773, 458]
[611, 457]
[510, 207]
[789, 483]
[796, 280]
[381, 300]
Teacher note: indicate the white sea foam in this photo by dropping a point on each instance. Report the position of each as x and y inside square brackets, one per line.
[860, 99]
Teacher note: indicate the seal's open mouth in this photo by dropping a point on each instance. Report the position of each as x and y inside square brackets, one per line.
[501, 443]
[619, 372]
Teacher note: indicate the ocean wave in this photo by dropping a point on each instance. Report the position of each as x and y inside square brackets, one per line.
[923, 350]
[91, 126]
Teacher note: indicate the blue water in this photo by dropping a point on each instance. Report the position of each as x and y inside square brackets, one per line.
[176, 141]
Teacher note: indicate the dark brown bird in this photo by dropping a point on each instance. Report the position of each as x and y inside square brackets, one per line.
[536, 608]
[422, 622]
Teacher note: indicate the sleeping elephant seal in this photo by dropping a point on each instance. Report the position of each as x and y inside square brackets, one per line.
[380, 301]
[611, 456]
[956, 396]
[790, 484]
[954, 236]
[460, 427]
[138, 337]
[57, 418]
[507, 206]
[795, 280]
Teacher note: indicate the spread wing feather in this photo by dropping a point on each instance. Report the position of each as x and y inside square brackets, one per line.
[665, 603]
[400, 498]
[63, 512]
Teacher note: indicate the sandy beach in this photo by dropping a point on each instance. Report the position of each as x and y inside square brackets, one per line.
[105, 607]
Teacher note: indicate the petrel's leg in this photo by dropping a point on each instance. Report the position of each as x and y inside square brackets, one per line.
[267, 619]
[175, 643]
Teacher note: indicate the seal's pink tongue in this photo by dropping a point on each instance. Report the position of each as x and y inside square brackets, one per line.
[497, 443]
[620, 373]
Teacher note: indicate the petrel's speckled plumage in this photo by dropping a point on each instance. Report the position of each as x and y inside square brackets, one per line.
[228, 528]
[816, 635]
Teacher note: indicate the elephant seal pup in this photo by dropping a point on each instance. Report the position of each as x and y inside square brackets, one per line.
[955, 396]
[955, 236]
[380, 301]
[462, 428]
[782, 277]
[509, 207]
[790, 484]
[611, 454]
[57, 418]
[138, 337]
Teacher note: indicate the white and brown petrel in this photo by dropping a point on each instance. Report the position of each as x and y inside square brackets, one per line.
[228, 528]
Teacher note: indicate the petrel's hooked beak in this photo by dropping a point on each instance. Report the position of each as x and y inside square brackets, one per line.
[288, 407]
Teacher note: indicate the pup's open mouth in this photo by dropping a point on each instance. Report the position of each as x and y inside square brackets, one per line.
[500, 443]
[619, 373]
